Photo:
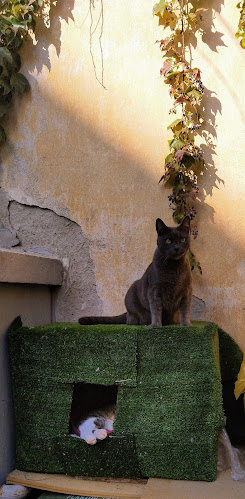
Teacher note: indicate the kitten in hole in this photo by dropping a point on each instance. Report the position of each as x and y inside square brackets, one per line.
[93, 412]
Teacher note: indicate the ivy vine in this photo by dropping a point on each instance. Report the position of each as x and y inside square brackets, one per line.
[17, 19]
[184, 164]
[241, 26]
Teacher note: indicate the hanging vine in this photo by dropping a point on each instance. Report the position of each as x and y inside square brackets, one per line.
[241, 26]
[184, 164]
[100, 26]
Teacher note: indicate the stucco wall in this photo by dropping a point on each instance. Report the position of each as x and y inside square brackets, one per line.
[95, 155]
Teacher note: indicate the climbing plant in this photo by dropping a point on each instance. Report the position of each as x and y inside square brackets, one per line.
[184, 163]
[17, 19]
[241, 26]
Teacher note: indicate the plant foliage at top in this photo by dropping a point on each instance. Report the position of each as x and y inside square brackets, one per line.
[17, 17]
[241, 26]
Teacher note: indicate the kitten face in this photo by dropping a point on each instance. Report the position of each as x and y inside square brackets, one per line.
[106, 423]
[173, 242]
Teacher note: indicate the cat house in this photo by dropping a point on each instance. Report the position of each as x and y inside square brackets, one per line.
[167, 386]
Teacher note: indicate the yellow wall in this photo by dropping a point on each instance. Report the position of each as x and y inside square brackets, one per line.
[95, 155]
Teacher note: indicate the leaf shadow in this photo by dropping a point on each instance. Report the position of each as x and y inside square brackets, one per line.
[210, 106]
[49, 35]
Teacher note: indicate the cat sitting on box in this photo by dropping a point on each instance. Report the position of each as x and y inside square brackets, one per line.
[163, 294]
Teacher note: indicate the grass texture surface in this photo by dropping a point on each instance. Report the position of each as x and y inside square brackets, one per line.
[169, 398]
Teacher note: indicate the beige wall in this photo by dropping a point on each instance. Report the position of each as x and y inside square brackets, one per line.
[95, 155]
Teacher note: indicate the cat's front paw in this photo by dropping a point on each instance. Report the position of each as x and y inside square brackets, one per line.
[91, 440]
[100, 434]
[186, 323]
[157, 324]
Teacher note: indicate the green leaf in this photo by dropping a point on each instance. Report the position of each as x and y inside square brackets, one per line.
[193, 262]
[176, 144]
[179, 214]
[2, 135]
[17, 22]
[19, 83]
[16, 62]
[169, 158]
[4, 107]
[5, 54]
[5, 86]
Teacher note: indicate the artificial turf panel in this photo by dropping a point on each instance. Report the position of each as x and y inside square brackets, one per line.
[169, 398]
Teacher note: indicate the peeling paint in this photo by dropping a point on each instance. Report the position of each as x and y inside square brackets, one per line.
[60, 237]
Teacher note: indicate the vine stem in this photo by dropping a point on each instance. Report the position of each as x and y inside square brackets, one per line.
[92, 31]
[183, 50]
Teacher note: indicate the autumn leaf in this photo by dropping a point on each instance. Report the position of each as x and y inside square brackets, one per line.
[182, 100]
[159, 8]
[164, 43]
[166, 67]
[242, 43]
[197, 74]
[194, 94]
[179, 155]
[175, 123]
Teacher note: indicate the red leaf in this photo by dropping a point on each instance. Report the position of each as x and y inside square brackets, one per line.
[181, 100]
[166, 67]
[197, 73]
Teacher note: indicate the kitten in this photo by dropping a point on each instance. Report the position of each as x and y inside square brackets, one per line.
[96, 426]
[165, 290]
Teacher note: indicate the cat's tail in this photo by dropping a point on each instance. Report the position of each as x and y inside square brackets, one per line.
[116, 319]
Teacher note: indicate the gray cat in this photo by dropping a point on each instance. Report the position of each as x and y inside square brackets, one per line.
[163, 294]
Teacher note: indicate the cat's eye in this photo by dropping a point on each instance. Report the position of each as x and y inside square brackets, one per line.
[183, 239]
[168, 241]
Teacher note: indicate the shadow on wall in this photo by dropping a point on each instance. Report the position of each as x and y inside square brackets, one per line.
[51, 35]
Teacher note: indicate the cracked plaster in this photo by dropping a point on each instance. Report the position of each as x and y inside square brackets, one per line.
[43, 232]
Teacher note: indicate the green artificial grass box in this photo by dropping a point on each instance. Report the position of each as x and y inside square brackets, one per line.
[169, 398]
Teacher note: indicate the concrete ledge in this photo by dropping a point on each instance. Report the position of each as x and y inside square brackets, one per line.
[26, 268]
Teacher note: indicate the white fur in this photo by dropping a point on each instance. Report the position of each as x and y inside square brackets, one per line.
[90, 433]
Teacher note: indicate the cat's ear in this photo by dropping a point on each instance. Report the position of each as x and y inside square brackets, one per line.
[185, 224]
[160, 225]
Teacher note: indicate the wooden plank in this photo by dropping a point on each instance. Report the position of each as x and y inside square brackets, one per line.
[119, 489]
[223, 487]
